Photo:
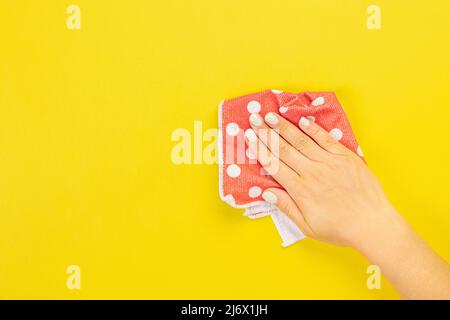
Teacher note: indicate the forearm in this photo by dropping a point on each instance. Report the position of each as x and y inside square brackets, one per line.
[413, 268]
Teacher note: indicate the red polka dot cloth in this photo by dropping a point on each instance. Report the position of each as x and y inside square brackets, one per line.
[242, 179]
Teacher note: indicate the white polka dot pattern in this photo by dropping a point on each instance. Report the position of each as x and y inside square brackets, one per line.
[254, 192]
[318, 102]
[253, 106]
[232, 129]
[336, 133]
[283, 109]
[277, 91]
[233, 170]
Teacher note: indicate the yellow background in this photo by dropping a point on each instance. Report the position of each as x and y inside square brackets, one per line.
[86, 116]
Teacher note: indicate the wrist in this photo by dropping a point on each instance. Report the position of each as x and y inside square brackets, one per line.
[405, 259]
[386, 236]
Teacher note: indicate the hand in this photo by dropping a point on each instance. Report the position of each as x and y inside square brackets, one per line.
[332, 196]
[330, 193]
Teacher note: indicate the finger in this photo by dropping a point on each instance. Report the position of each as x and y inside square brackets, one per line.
[285, 203]
[283, 174]
[323, 138]
[292, 134]
[278, 146]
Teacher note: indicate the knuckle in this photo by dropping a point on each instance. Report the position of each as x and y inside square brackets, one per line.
[297, 181]
[314, 130]
[270, 165]
[329, 140]
[340, 163]
[301, 141]
[283, 148]
[290, 208]
[316, 174]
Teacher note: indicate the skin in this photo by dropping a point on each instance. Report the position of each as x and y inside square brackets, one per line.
[332, 196]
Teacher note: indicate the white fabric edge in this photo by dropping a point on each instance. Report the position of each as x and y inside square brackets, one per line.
[288, 230]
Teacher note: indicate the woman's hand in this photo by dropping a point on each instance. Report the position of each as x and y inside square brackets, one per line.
[330, 193]
[332, 196]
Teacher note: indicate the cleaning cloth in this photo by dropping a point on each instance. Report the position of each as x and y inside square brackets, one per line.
[242, 179]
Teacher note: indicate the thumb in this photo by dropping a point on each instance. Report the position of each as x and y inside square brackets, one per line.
[286, 204]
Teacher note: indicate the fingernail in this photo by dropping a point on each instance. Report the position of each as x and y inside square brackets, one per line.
[255, 120]
[271, 118]
[249, 153]
[303, 122]
[270, 197]
[250, 135]
[283, 109]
